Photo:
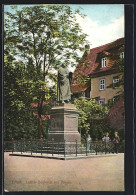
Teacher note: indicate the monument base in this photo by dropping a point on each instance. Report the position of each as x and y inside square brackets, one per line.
[64, 123]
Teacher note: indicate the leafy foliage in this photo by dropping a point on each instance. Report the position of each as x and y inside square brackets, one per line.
[89, 111]
[111, 102]
[41, 33]
[18, 119]
[37, 40]
[120, 64]
[98, 129]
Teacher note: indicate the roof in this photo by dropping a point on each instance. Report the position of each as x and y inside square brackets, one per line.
[79, 88]
[92, 66]
[116, 114]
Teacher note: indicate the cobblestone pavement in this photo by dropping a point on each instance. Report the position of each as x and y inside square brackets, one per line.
[41, 174]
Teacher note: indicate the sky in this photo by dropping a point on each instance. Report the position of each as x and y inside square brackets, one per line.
[103, 23]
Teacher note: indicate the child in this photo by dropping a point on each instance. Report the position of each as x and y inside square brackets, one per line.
[88, 142]
[116, 141]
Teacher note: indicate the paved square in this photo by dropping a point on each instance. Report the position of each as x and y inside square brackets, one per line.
[41, 174]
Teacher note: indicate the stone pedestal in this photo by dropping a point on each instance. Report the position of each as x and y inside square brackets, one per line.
[64, 123]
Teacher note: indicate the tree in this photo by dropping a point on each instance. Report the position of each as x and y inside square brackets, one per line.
[40, 38]
[18, 119]
[19, 92]
[88, 112]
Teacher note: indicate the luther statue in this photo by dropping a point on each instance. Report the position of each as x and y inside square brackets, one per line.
[64, 81]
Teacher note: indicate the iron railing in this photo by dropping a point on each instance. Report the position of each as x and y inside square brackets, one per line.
[59, 148]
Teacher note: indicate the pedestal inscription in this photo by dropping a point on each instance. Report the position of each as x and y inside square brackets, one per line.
[64, 123]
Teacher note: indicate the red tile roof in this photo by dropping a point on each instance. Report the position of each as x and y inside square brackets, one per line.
[92, 66]
[79, 88]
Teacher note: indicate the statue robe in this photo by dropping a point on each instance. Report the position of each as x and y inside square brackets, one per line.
[64, 93]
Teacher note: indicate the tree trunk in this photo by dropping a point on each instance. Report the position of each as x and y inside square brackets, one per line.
[40, 127]
[40, 119]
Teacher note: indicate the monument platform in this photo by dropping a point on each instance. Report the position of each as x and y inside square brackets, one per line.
[64, 123]
[62, 157]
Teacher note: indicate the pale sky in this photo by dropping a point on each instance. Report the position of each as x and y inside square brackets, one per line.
[103, 23]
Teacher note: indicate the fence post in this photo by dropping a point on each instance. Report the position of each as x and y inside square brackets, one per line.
[86, 148]
[41, 146]
[24, 145]
[31, 146]
[81, 148]
[21, 145]
[58, 148]
[12, 146]
[76, 147]
[52, 146]
[96, 148]
[47, 147]
[64, 148]
[105, 147]
[36, 145]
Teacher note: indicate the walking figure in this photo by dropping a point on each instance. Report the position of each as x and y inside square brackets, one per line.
[88, 142]
[107, 140]
[116, 141]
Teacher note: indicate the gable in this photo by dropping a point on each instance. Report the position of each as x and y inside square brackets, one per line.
[93, 59]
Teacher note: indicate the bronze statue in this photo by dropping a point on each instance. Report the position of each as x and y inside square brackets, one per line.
[64, 81]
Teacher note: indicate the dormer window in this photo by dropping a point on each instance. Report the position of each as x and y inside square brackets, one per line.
[122, 55]
[103, 62]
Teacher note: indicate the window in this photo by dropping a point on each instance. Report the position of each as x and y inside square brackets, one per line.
[115, 79]
[103, 62]
[102, 84]
[122, 55]
[102, 101]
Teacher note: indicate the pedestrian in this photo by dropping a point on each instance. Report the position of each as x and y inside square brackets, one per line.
[116, 141]
[89, 139]
[107, 140]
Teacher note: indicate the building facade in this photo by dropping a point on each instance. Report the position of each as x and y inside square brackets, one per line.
[103, 68]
